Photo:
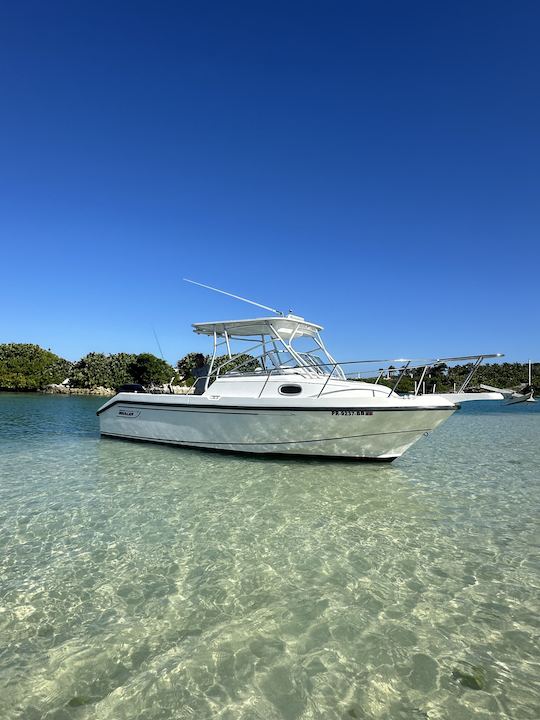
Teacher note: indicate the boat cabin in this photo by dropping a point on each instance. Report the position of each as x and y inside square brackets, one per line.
[268, 346]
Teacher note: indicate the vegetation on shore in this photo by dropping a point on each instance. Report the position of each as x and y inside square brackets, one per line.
[29, 367]
[26, 367]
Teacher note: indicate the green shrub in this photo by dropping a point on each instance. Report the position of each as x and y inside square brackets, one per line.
[28, 367]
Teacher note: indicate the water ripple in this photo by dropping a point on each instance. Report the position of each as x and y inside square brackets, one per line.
[150, 582]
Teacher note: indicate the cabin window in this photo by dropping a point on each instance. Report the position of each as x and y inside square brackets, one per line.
[290, 389]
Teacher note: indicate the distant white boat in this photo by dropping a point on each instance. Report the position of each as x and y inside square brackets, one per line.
[513, 396]
[521, 398]
[525, 395]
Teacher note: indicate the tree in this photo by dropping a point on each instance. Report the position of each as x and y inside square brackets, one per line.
[97, 369]
[242, 362]
[147, 369]
[195, 361]
[191, 361]
[24, 366]
[120, 369]
[92, 370]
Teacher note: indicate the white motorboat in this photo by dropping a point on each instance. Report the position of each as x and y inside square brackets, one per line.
[515, 396]
[291, 401]
[518, 398]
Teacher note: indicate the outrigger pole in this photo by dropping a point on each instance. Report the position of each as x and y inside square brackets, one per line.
[236, 297]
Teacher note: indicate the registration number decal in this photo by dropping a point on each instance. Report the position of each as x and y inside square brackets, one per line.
[352, 412]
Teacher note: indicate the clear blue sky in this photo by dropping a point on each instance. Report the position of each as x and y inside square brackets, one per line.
[373, 166]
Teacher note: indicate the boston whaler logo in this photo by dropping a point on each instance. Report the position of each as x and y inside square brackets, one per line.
[127, 413]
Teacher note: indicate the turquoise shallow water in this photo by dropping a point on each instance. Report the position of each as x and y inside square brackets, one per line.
[146, 582]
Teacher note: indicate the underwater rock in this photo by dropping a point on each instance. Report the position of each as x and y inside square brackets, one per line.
[470, 676]
[80, 700]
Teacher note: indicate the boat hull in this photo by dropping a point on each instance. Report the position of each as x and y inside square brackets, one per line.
[360, 433]
[518, 398]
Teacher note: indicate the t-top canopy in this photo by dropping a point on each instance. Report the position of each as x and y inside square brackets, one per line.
[285, 327]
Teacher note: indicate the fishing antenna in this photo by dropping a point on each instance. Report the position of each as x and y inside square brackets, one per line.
[237, 297]
[158, 343]
[161, 353]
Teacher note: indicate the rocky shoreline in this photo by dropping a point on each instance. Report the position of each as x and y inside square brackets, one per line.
[66, 390]
[105, 392]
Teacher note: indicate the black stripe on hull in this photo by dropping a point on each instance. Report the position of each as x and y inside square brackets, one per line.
[255, 409]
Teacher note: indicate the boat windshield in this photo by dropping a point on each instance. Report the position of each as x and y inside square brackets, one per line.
[270, 345]
[318, 365]
[275, 359]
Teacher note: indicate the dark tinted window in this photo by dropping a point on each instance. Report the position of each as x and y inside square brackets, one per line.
[290, 389]
[134, 387]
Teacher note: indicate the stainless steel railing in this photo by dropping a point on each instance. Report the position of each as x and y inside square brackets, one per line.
[394, 372]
